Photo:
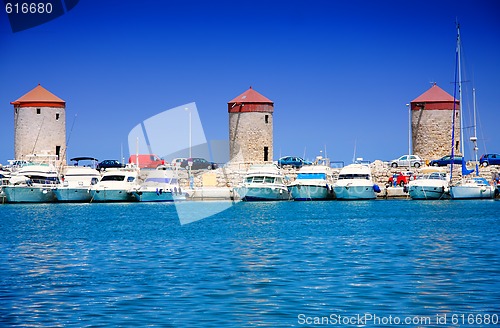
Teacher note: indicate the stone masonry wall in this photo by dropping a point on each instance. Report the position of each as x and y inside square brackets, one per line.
[39, 133]
[431, 133]
[249, 134]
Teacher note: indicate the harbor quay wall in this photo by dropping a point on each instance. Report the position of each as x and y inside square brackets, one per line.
[232, 175]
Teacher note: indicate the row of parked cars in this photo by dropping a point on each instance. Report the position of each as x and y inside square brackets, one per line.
[416, 161]
[293, 161]
[196, 163]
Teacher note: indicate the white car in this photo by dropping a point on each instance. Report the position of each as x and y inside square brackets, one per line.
[407, 160]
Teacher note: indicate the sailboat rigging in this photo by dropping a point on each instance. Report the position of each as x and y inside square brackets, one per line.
[468, 188]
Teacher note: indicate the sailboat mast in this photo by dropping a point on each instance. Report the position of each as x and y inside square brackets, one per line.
[459, 50]
[457, 65]
[474, 138]
[474, 100]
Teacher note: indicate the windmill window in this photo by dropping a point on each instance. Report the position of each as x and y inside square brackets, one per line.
[38, 111]
[266, 118]
[57, 116]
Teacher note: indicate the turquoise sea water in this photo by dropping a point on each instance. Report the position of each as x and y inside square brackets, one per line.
[265, 264]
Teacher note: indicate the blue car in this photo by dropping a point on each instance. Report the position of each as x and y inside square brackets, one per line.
[490, 159]
[295, 162]
[446, 160]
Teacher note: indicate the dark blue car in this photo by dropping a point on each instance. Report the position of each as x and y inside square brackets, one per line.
[446, 160]
[296, 162]
[490, 159]
[109, 163]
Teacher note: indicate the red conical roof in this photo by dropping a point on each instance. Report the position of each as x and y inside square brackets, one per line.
[434, 94]
[250, 96]
[39, 96]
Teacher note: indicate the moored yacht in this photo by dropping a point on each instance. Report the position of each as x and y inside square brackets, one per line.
[77, 181]
[263, 182]
[114, 186]
[433, 184]
[355, 182]
[161, 185]
[472, 188]
[33, 182]
[313, 182]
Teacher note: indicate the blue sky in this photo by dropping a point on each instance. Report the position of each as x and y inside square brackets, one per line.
[338, 72]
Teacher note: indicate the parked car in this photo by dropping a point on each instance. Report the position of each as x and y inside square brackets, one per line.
[489, 159]
[446, 160]
[402, 179]
[296, 162]
[176, 162]
[109, 163]
[150, 161]
[413, 160]
[198, 164]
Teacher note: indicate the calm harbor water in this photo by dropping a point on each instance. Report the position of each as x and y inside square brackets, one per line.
[256, 264]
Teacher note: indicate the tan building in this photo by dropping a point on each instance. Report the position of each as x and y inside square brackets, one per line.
[251, 128]
[431, 123]
[39, 125]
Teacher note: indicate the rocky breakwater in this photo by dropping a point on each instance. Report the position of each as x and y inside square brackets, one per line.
[222, 180]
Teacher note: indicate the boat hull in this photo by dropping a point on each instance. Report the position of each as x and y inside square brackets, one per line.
[73, 195]
[111, 195]
[311, 192]
[22, 194]
[354, 192]
[472, 192]
[250, 194]
[426, 192]
[153, 196]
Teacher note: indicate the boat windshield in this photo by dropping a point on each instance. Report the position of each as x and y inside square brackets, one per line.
[437, 176]
[481, 181]
[432, 176]
[113, 178]
[354, 176]
[261, 179]
[307, 176]
[43, 180]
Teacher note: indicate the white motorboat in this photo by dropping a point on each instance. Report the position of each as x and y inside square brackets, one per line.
[263, 182]
[34, 182]
[4, 180]
[355, 182]
[433, 184]
[76, 184]
[472, 188]
[313, 182]
[161, 185]
[115, 186]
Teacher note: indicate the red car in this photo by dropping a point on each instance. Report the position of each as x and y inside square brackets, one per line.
[150, 161]
[402, 178]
